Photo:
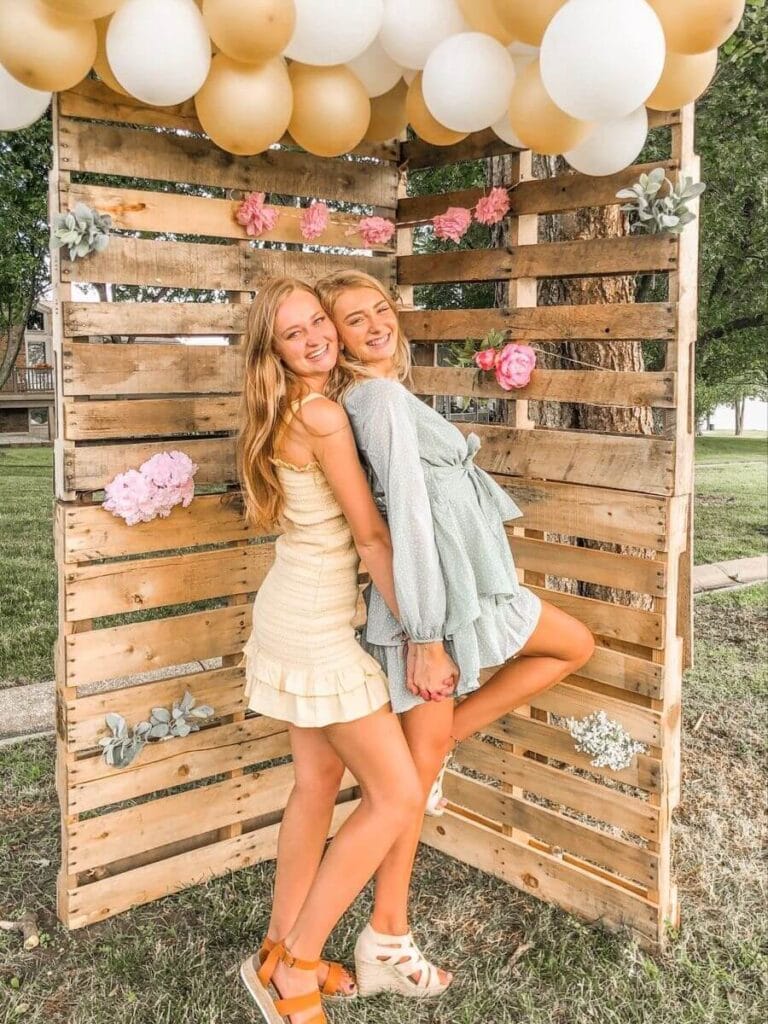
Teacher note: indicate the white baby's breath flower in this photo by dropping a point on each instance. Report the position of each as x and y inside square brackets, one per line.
[608, 741]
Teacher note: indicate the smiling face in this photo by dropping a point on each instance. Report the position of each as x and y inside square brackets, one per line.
[368, 328]
[305, 338]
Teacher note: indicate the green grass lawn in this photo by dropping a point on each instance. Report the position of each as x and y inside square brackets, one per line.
[731, 511]
[27, 568]
[175, 962]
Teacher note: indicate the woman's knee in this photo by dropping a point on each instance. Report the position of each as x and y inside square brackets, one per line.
[582, 646]
[398, 800]
[318, 782]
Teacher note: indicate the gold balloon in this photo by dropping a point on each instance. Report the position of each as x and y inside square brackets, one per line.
[87, 9]
[527, 19]
[42, 49]
[101, 64]
[331, 109]
[538, 122]
[250, 30]
[388, 116]
[481, 16]
[684, 78]
[245, 108]
[423, 123]
[696, 26]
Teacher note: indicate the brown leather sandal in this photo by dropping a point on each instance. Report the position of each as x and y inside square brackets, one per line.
[331, 988]
[274, 1009]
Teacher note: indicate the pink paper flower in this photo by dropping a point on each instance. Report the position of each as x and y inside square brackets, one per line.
[255, 217]
[169, 469]
[374, 230]
[314, 221]
[486, 358]
[453, 224]
[132, 497]
[492, 208]
[515, 365]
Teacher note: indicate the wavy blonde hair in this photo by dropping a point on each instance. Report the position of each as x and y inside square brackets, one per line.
[268, 387]
[328, 290]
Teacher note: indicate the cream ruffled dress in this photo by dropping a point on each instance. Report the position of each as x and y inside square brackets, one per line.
[303, 663]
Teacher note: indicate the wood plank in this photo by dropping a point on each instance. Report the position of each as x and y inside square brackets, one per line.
[644, 773]
[221, 688]
[93, 100]
[572, 701]
[608, 322]
[195, 160]
[553, 879]
[91, 467]
[158, 263]
[148, 417]
[566, 561]
[555, 829]
[89, 904]
[610, 620]
[577, 456]
[581, 258]
[597, 513]
[125, 833]
[569, 191]
[174, 318]
[90, 532]
[163, 212]
[97, 370]
[479, 145]
[624, 672]
[562, 788]
[92, 591]
[587, 387]
[144, 646]
[162, 766]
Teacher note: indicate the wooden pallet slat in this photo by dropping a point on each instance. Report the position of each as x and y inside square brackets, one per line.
[198, 414]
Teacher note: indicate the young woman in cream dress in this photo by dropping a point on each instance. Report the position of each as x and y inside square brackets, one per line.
[455, 582]
[299, 468]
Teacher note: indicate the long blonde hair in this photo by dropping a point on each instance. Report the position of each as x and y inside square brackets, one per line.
[268, 387]
[328, 289]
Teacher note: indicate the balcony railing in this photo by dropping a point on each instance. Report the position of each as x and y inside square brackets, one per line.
[25, 379]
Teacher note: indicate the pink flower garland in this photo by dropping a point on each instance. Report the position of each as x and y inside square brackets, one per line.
[453, 224]
[513, 365]
[492, 208]
[255, 217]
[314, 221]
[374, 231]
[161, 483]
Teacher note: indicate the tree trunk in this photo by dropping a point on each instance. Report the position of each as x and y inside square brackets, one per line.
[15, 339]
[738, 408]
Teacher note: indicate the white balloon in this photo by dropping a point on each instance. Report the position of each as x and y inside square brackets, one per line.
[467, 81]
[376, 70]
[413, 28]
[601, 59]
[522, 53]
[507, 133]
[612, 146]
[20, 106]
[159, 50]
[334, 31]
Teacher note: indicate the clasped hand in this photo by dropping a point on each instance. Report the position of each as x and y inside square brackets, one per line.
[430, 674]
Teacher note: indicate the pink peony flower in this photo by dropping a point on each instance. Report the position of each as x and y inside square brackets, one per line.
[492, 208]
[515, 365]
[453, 224]
[374, 230]
[132, 497]
[486, 358]
[314, 221]
[255, 217]
[169, 469]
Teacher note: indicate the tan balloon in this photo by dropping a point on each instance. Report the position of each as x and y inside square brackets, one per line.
[388, 116]
[250, 30]
[87, 9]
[423, 123]
[481, 16]
[527, 19]
[331, 109]
[696, 26]
[684, 78]
[43, 49]
[100, 63]
[537, 121]
[245, 108]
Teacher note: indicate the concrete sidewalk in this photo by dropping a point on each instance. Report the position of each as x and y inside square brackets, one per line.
[734, 573]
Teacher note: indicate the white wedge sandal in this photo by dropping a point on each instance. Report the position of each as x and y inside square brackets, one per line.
[435, 807]
[387, 963]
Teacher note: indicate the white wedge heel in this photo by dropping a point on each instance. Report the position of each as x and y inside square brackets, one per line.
[434, 807]
[387, 963]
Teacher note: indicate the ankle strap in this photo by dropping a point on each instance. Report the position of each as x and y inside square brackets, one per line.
[281, 952]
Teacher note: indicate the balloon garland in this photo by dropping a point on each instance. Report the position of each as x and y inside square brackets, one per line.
[557, 76]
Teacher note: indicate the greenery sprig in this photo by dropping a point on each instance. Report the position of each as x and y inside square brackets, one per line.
[125, 744]
[654, 213]
[82, 230]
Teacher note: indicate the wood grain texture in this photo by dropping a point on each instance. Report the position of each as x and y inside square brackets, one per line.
[162, 417]
[154, 318]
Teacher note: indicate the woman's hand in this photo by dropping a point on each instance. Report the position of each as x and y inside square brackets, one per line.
[431, 674]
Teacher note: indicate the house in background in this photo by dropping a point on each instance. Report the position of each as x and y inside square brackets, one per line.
[26, 398]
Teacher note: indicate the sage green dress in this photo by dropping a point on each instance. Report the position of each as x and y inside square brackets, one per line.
[455, 578]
